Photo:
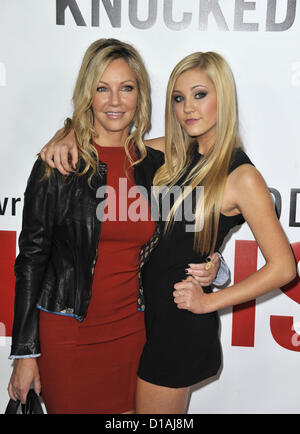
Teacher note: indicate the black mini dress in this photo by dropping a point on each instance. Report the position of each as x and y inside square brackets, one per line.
[182, 348]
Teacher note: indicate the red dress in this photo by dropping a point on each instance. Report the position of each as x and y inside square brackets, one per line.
[91, 367]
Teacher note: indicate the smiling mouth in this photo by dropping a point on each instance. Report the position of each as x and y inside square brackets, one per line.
[114, 115]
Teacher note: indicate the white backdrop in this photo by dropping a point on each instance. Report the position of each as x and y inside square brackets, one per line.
[41, 48]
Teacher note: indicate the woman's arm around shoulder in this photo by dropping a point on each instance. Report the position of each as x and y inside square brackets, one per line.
[61, 151]
[158, 143]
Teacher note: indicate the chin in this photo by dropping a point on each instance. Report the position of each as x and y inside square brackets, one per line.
[115, 127]
[195, 132]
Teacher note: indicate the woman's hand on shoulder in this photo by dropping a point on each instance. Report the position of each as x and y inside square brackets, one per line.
[58, 153]
[157, 143]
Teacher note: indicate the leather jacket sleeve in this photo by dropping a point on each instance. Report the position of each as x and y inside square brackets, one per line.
[34, 248]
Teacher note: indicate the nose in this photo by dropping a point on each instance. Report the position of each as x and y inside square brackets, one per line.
[115, 97]
[188, 106]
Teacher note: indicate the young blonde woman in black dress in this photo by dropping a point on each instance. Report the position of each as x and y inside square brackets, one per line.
[202, 148]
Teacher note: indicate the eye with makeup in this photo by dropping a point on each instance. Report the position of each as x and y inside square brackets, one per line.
[178, 98]
[200, 95]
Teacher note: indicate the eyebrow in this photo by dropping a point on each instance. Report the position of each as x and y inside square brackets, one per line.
[199, 85]
[194, 87]
[122, 82]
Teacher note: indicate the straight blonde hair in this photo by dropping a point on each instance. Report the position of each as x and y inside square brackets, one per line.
[96, 59]
[212, 170]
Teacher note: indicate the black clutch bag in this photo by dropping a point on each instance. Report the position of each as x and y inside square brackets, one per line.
[33, 405]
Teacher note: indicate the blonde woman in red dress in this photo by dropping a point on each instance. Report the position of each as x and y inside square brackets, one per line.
[78, 327]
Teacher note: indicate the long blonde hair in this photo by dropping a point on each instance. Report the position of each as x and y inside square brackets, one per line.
[212, 170]
[96, 59]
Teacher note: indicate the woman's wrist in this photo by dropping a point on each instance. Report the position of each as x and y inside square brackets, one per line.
[210, 302]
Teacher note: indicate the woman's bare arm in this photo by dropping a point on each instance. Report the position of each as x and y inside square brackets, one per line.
[60, 153]
[251, 196]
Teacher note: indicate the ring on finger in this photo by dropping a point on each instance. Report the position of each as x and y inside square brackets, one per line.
[209, 265]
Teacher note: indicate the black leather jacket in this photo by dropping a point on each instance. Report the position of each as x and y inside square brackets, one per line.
[58, 247]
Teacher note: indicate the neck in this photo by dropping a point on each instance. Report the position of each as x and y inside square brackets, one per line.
[206, 141]
[111, 138]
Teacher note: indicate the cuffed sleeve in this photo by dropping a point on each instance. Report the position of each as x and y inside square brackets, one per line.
[34, 248]
[223, 274]
[28, 356]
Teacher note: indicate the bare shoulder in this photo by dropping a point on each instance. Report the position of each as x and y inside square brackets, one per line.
[248, 190]
[241, 184]
[246, 177]
[158, 143]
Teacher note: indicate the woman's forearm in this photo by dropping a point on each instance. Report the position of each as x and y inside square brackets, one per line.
[268, 278]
